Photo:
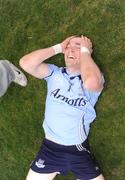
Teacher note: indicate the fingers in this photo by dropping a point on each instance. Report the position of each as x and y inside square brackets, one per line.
[86, 39]
[65, 43]
[86, 42]
[69, 38]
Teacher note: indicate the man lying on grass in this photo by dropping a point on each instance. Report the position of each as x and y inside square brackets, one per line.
[72, 94]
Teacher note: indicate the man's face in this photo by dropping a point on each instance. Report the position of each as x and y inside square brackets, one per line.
[72, 53]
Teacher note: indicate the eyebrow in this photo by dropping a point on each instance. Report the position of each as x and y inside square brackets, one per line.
[77, 43]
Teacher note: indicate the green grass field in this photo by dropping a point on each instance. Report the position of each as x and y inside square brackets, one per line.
[26, 25]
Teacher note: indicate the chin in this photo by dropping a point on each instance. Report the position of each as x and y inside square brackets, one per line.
[71, 65]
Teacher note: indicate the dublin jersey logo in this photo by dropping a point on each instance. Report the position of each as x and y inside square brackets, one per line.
[72, 102]
[40, 163]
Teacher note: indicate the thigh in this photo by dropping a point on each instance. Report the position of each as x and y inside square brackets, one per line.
[32, 175]
[49, 160]
[84, 166]
[99, 178]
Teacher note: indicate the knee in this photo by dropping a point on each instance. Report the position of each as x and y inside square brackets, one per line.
[22, 63]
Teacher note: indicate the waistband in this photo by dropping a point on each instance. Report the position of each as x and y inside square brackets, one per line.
[63, 148]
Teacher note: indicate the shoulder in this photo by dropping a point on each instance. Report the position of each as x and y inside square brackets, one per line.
[52, 70]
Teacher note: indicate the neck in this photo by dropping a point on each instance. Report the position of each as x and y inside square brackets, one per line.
[73, 70]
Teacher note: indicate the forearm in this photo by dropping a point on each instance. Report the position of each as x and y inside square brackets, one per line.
[90, 72]
[33, 63]
[37, 57]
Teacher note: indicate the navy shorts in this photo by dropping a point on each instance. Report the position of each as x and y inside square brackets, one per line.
[54, 157]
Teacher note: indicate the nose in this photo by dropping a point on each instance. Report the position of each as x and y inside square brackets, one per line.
[71, 51]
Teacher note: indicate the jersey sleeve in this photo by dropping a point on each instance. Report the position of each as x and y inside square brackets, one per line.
[93, 96]
[51, 68]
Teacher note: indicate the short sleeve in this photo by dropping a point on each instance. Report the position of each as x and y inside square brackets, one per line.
[93, 96]
[51, 68]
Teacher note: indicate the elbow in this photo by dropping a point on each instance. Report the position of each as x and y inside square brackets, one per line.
[93, 84]
[23, 63]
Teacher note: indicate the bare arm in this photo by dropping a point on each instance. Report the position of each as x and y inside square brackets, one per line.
[90, 72]
[34, 64]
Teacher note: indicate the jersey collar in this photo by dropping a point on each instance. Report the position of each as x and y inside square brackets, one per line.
[64, 71]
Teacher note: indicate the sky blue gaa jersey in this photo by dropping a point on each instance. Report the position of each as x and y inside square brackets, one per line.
[69, 107]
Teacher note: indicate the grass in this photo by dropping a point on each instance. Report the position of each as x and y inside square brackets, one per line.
[26, 25]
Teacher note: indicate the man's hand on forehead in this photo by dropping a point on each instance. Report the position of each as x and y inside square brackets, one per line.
[77, 45]
[86, 42]
[65, 43]
[74, 45]
[75, 42]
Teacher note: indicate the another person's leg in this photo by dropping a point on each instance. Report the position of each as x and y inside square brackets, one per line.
[10, 73]
[32, 175]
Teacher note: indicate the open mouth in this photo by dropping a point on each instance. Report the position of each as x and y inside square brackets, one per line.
[71, 57]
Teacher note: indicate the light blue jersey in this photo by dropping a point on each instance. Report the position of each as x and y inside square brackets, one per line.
[69, 107]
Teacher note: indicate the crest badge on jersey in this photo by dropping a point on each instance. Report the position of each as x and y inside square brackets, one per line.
[40, 163]
[58, 80]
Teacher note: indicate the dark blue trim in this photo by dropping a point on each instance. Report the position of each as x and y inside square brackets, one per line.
[84, 126]
[71, 78]
[50, 74]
